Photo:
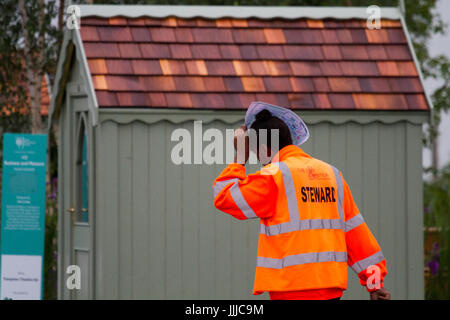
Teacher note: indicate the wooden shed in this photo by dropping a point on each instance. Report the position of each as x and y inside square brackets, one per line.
[140, 226]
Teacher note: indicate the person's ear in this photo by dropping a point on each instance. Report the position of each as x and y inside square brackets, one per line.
[264, 154]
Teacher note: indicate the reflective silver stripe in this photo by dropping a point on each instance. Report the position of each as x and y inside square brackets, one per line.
[367, 262]
[340, 194]
[238, 198]
[222, 184]
[353, 222]
[289, 188]
[300, 225]
[298, 259]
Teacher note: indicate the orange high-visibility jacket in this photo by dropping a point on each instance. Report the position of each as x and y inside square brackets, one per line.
[310, 226]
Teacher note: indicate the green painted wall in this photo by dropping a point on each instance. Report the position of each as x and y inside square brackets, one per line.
[158, 236]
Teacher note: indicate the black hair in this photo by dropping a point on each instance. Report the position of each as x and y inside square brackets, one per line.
[265, 120]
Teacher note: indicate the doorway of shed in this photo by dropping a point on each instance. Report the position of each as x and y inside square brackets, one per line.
[79, 220]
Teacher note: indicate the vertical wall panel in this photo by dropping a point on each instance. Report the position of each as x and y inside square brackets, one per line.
[400, 214]
[173, 194]
[140, 258]
[157, 211]
[107, 222]
[192, 193]
[354, 176]
[414, 219]
[126, 189]
[386, 190]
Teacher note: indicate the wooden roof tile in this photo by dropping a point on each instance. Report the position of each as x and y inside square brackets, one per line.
[331, 52]
[146, 67]
[242, 68]
[196, 67]
[376, 52]
[356, 68]
[206, 51]
[101, 50]
[321, 101]
[344, 84]
[302, 84]
[321, 84]
[129, 50]
[249, 36]
[212, 35]
[416, 101]
[375, 85]
[189, 84]
[303, 36]
[306, 52]
[253, 84]
[106, 99]
[123, 83]
[155, 51]
[218, 67]
[278, 68]
[270, 52]
[230, 52]
[140, 34]
[300, 68]
[184, 35]
[114, 34]
[180, 51]
[233, 84]
[119, 66]
[162, 34]
[301, 100]
[180, 100]
[357, 52]
[100, 82]
[277, 84]
[274, 36]
[132, 99]
[173, 67]
[259, 68]
[158, 83]
[406, 68]
[157, 99]
[215, 84]
[387, 68]
[89, 33]
[248, 52]
[341, 101]
[97, 66]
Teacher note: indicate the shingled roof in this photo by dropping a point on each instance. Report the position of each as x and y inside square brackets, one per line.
[225, 63]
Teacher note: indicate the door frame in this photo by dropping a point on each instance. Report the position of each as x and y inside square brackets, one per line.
[68, 181]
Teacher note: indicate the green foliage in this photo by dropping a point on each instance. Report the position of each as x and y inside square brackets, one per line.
[50, 248]
[437, 224]
[19, 54]
[13, 96]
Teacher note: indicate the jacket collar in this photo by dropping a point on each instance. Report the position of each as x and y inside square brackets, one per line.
[289, 151]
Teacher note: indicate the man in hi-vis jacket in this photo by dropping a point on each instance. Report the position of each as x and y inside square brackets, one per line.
[310, 227]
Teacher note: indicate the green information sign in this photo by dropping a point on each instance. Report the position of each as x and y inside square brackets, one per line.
[23, 215]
